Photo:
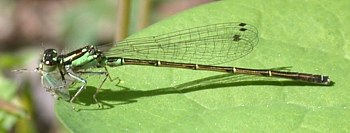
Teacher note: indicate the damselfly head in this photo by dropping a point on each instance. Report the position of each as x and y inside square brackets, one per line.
[50, 57]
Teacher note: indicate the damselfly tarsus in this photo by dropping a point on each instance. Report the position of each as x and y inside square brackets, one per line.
[199, 48]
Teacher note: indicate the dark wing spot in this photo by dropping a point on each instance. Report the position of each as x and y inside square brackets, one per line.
[242, 24]
[236, 38]
[242, 29]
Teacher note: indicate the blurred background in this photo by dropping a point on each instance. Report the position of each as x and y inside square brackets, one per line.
[27, 27]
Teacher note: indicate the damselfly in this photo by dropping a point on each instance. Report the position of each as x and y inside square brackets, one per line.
[197, 48]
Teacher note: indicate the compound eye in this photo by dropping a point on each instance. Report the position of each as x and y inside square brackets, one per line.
[50, 57]
[50, 53]
[49, 62]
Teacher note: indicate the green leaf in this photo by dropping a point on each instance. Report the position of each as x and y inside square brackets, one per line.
[308, 36]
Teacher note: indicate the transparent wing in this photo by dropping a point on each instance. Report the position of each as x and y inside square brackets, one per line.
[211, 44]
[52, 82]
